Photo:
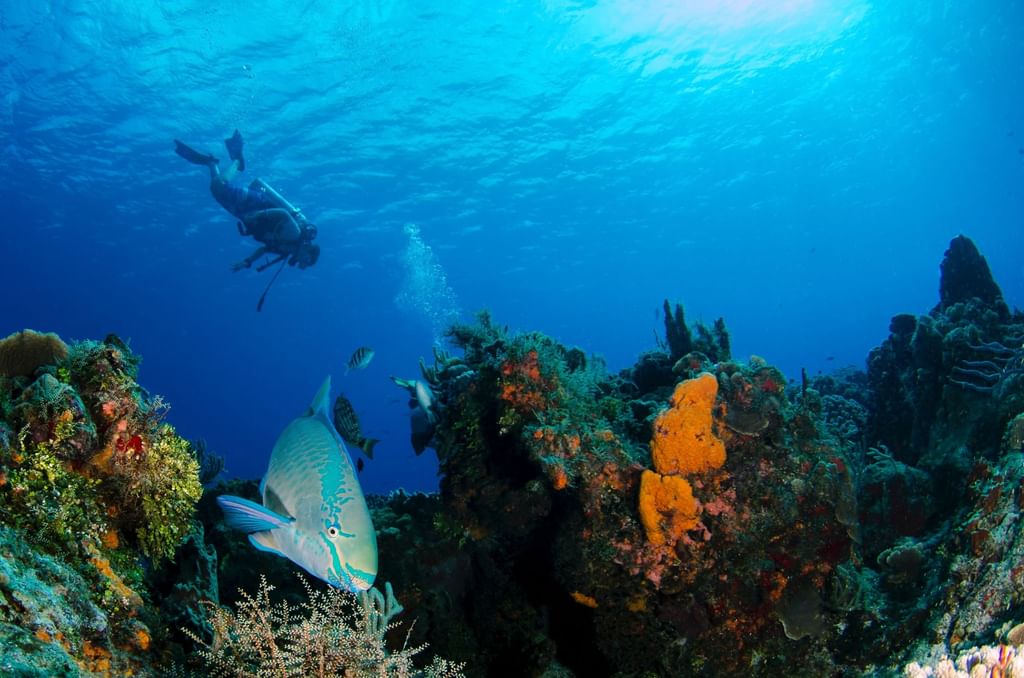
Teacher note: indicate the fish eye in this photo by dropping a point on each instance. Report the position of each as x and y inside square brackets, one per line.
[333, 531]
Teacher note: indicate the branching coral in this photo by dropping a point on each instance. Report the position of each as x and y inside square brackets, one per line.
[712, 342]
[333, 634]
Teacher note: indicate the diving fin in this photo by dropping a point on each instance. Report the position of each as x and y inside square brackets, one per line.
[234, 145]
[192, 155]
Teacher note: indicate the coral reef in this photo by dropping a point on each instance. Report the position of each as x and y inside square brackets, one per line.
[576, 504]
[94, 485]
[333, 633]
[1003, 661]
[692, 514]
[695, 513]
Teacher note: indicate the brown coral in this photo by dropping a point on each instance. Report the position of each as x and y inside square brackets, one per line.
[22, 353]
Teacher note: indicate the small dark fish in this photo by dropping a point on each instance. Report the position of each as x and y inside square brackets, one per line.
[359, 464]
[830, 358]
[347, 424]
[361, 357]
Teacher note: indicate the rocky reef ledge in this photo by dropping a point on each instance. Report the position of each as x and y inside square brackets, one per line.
[694, 514]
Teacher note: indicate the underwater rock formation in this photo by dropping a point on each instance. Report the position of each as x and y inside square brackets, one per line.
[691, 515]
[850, 524]
[93, 483]
[570, 553]
[965, 275]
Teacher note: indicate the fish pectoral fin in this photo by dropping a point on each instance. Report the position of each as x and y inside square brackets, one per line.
[265, 541]
[248, 516]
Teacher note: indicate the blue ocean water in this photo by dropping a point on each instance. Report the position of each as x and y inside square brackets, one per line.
[795, 166]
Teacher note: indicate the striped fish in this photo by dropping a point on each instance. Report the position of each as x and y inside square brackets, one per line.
[313, 510]
[347, 423]
[361, 357]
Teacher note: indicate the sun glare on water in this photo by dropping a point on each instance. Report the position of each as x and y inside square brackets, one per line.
[724, 30]
[719, 15]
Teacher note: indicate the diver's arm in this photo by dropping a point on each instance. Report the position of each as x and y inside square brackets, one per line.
[248, 261]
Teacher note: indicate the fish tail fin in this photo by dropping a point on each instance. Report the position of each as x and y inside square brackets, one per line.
[248, 516]
[367, 446]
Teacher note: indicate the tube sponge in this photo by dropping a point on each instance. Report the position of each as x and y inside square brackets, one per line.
[22, 353]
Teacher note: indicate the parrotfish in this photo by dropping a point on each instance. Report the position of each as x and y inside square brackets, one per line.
[313, 512]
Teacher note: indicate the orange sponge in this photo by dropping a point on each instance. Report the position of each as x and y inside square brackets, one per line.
[683, 442]
[667, 507]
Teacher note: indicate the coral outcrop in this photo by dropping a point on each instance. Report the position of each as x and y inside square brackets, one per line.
[693, 514]
[93, 484]
[698, 514]
[576, 502]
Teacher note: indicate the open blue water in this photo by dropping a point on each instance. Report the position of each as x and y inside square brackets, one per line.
[796, 166]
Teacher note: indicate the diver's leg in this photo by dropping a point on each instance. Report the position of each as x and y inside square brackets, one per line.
[231, 171]
[234, 145]
[222, 178]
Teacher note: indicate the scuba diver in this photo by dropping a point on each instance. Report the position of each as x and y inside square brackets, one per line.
[279, 227]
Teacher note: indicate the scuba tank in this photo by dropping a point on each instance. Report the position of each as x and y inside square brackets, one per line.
[260, 186]
[266, 190]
